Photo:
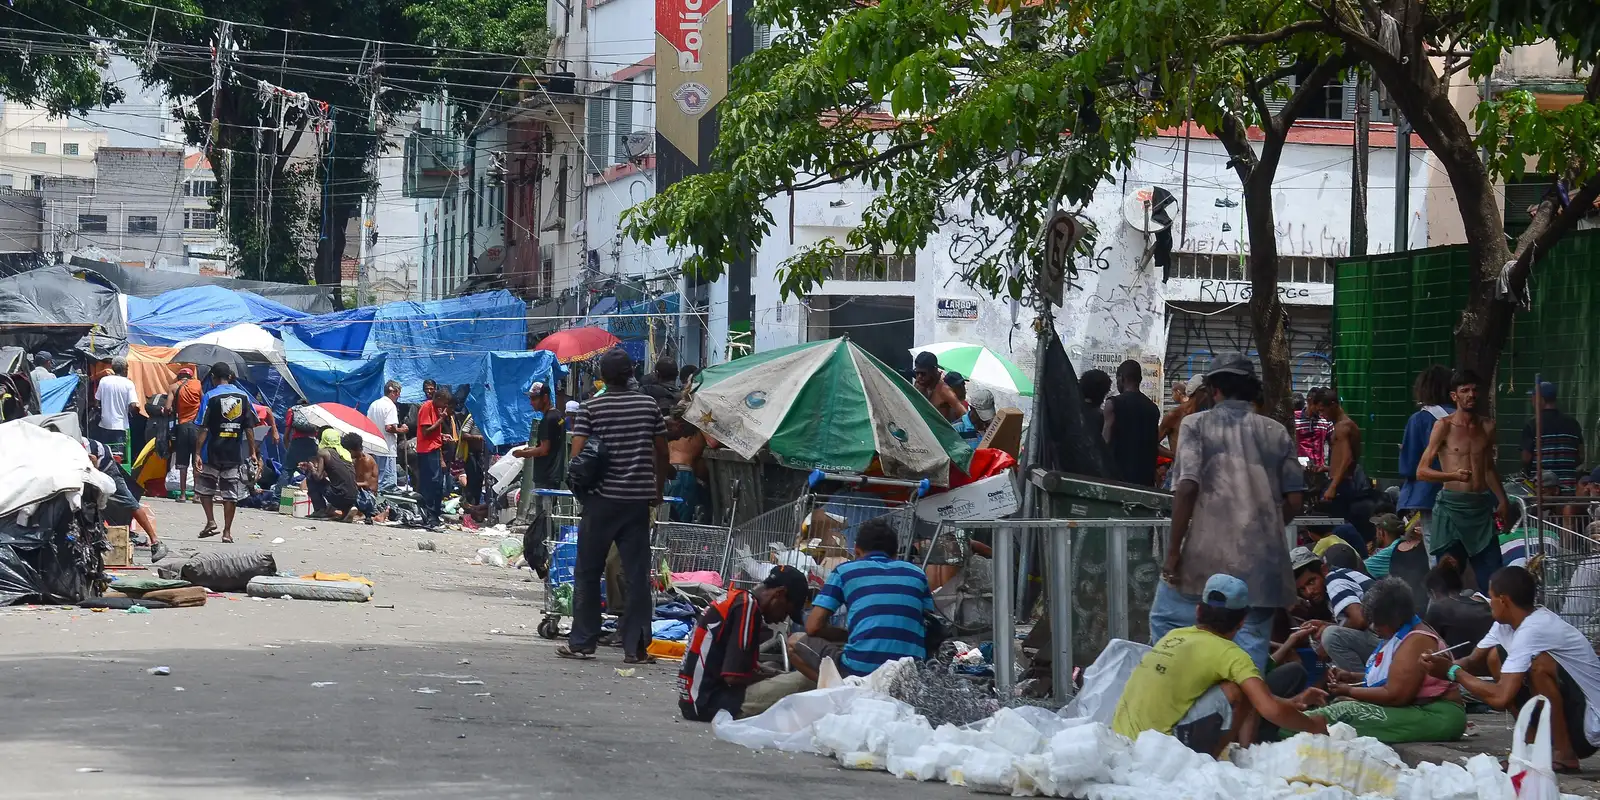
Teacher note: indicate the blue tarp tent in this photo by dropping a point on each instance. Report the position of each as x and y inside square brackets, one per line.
[355, 382]
[631, 322]
[446, 340]
[499, 403]
[184, 314]
[55, 394]
[342, 334]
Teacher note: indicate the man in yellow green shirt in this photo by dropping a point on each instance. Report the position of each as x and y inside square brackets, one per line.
[1199, 686]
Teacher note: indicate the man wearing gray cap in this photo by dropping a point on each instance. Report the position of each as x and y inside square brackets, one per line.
[43, 362]
[1237, 483]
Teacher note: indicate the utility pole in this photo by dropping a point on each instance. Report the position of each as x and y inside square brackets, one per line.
[1402, 181]
[369, 203]
[220, 169]
[1358, 165]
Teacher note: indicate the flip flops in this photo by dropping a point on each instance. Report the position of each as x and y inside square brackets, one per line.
[564, 651]
[209, 530]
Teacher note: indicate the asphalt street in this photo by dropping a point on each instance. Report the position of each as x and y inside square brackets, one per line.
[437, 688]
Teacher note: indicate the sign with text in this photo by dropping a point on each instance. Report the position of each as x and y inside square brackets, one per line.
[691, 68]
[1150, 367]
[1060, 238]
[957, 309]
[1195, 290]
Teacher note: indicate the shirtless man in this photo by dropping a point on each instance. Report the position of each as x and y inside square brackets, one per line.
[1349, 492]
[930, 382]
[1473, 498]
[685, 444]
[366, 479]
[1188, 403]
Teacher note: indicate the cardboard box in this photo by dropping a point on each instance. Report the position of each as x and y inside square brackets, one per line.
[1004, 432]
[990, 498]
[121, 553]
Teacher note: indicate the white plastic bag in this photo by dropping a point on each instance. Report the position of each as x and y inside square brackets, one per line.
[1103, 681]
[1011, 732]
[1530, 766]
[787, 724]
[1493, 783]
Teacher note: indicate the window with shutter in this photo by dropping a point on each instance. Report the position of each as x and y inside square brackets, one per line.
[763, 37]
[599, 134]
[1521, 196]
[624, 103]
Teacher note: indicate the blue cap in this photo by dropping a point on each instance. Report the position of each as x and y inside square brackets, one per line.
[1547, 390]
[1226, 591]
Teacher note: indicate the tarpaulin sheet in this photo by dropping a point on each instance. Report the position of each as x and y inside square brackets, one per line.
[634, 320]
[342, 334]
[50, 558]
[36, 464]
[354, 382]
[140, 282]
[56, 394]
[500, 403]
[51, 309]
[445, 340]
[185, 314]
[151, 370]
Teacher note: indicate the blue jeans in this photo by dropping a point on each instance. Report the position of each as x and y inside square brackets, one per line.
[430, 484]
[386, 473]
[1172, 609]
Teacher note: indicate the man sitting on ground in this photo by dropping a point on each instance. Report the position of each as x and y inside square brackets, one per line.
[1530, 651]
[330, 479]
[1199, 686]
[722, 660]
[886, 600]
[366, 468]
[1346, 640]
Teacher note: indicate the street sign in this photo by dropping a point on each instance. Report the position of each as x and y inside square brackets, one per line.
[957, 309]
[1060, 238]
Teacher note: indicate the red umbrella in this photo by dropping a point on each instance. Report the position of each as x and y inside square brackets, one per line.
[347, 420]
[578, 344]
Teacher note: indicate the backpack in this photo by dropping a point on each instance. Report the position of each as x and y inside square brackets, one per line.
[588, 468]
[301, 425]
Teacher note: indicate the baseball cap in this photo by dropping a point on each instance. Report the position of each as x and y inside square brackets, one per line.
[1302, 557]
[981, 401]
[539, 389]
[1547, 390]
[1232, 364]
[926, 362]
[1194, 383]
[186, 372]
[953, 379]
[795, 586]
[1226, 591]
[573, 405]
[43, 355]
[1389, 522]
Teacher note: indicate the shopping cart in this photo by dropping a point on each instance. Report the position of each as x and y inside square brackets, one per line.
[559, 513]
[1562, 550]
[817, 530]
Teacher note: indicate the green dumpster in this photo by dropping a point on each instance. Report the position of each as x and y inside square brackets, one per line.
[1100, 566]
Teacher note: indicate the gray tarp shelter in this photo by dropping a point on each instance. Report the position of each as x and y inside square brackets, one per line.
[53, 309]
[141, 282]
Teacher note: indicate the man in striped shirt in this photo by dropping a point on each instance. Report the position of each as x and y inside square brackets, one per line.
[1347, 641]
[629, 425]
[723, 657]
[1560, 447]
[886, 599]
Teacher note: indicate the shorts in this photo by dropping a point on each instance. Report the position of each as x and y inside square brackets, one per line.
[230, 484]
[812, 649]
[121, 505]
[1202, 728]
[183, 439]
[1573, 702]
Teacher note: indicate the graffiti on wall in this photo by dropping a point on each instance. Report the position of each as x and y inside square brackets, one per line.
[1294, 239]
[1194, 341]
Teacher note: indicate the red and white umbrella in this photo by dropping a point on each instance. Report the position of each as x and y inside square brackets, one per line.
[578, 344]
[347, 420]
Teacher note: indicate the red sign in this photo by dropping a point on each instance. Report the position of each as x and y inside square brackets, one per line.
[682, 24]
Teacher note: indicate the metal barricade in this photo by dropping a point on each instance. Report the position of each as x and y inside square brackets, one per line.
[1560, 545]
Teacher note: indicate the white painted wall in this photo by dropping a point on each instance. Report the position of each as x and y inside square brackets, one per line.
[1118, 310]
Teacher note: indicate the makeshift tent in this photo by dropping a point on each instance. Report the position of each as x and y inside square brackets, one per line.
[151, 369]
[254, 343]
[634, 320]
[140, 282]
[445, 340]
[342, 334]
[355, 382]
[188, 314]
[51, 309]
[499, 403]
[56, 394]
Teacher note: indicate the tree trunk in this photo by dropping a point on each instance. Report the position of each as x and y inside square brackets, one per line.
[330, 249]
[1267, 317]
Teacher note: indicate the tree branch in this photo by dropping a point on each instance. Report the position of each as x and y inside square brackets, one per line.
[1257, 98]
[1236, 140]
[1536, 243]
[1292, 29]
[851, 171]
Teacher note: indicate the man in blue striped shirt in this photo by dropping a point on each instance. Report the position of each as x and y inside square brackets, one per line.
[886, 599]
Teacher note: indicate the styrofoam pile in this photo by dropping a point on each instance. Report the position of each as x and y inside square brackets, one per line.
[1033, 752]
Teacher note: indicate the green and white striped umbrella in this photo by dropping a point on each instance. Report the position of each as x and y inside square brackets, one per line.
[979, 364]
[825, 405]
